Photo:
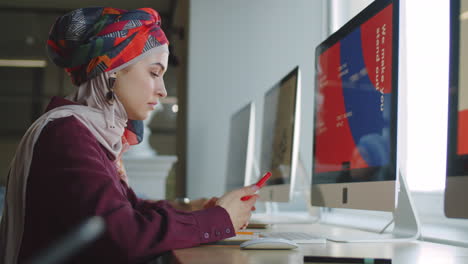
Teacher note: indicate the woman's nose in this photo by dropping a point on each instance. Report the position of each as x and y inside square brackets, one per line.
[161, 90]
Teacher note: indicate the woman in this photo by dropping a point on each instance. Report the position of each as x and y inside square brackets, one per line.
[68, 165]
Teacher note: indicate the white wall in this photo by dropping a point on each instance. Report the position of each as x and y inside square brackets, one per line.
[237, 51]
[343, 10]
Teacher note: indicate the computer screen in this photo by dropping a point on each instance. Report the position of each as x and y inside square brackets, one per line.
[456, 185]
[355, 118]
[280, 135]
[240, 149]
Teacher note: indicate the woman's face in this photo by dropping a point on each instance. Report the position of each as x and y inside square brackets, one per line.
[140, 85]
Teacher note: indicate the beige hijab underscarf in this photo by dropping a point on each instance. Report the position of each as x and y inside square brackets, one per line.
[105, 121]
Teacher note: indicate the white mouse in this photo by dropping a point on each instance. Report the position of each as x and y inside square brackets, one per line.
[268, 243]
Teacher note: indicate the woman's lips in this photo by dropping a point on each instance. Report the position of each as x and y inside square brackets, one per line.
[153, 105]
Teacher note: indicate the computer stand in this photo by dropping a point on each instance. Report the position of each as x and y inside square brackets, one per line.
[406, 222]
[274, 215]
[300, 198]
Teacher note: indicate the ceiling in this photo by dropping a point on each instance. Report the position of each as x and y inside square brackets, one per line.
[162, 6]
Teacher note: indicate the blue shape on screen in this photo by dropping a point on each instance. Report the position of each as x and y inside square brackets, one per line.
[367, 123]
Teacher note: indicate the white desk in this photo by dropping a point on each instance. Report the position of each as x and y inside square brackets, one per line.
[416, 252]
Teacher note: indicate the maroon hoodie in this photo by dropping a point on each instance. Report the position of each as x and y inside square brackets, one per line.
[73, 177]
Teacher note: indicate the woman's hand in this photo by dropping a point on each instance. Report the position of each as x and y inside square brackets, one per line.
[239, 211]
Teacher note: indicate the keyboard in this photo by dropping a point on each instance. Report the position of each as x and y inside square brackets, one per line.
[298, 237]
[283, 218]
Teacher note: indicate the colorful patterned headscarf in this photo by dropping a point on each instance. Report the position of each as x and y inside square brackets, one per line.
[90, 41]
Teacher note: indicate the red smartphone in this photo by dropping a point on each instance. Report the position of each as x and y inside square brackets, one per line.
[260, 184]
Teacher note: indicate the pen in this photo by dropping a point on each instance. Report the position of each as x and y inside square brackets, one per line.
[259, 184]
[244, 233]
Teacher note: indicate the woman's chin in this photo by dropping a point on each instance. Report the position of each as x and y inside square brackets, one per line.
[139, 116]
[145, 115]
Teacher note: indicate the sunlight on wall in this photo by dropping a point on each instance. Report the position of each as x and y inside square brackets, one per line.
[427, 64]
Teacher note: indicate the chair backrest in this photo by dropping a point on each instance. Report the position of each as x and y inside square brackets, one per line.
[72, 242]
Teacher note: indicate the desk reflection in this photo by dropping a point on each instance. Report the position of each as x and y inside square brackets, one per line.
[235, 255]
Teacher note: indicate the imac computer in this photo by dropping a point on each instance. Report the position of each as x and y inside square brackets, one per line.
[356, 117]
[456, 184]
[241, 146]
[280, 138]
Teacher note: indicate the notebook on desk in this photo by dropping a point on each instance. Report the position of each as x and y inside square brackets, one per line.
[257, 225]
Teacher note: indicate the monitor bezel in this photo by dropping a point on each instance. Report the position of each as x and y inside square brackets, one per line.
[456, 181]
[284, 192]
[366, 195]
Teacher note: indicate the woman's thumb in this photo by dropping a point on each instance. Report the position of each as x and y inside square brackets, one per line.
[249, 190]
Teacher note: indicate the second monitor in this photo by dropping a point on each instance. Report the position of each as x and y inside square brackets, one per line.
[457, 140]
[280, 137]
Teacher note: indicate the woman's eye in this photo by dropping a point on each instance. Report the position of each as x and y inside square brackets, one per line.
[154, 74]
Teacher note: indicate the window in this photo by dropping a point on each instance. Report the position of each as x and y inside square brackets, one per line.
[428, 66]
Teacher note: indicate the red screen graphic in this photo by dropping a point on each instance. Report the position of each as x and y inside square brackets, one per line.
[337, 127]
[462, 148]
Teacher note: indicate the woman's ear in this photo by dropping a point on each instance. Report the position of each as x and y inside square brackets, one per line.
[112, 77]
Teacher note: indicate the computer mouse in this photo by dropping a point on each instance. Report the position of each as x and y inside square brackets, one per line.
[268, 243]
